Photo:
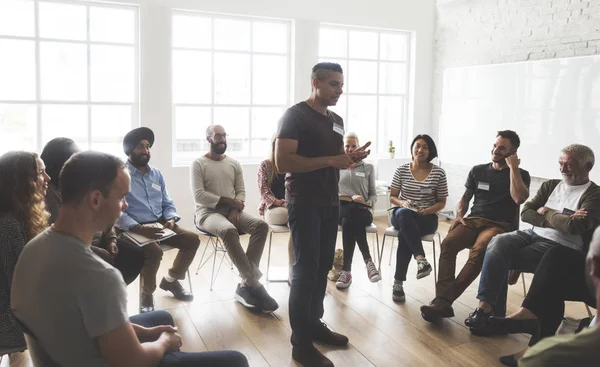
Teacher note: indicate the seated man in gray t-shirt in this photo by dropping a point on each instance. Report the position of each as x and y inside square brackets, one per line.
[74, 305]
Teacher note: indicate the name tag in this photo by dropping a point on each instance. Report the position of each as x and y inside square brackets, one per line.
[483, 186]
[338, 129]
[426, 190]
[156, 186]
[360, 174]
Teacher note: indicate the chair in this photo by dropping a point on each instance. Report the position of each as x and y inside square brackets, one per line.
[217, 246]
[165, 248]
[7, 351]
[273, 228]
[38, 354]
[372, 228]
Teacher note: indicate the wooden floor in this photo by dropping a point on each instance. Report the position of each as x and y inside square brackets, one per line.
[381, 332]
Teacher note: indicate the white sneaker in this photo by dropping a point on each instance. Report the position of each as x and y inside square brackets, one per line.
[372, 272]
[344, 280]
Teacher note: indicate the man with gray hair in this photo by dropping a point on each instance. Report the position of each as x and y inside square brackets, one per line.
[563, 213]
[219, 194]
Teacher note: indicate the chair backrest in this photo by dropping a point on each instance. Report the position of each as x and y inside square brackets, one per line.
[38, 354]
[516, 223]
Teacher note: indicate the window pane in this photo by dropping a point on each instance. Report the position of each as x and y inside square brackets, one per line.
[192, 31]
[270, 37]
[232, 34]
[270, 80]
[191, 122]
[65, 120]
[17, 18]
[363, 45]
[63, 71]
[264, 127]
[393, 47]
[17, 71]
[63, 21]
[192, 77]
[392, 78]
[391, 119]
[112, 25]
[333, 42]
[18, 124]
[112, 71]
[362, 77]
[362, 117]
[340, 108]
[235, 121]
[232, 78]
[109, 126]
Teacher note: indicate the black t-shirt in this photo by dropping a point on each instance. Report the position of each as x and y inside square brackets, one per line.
[318, 136]
[492, 193]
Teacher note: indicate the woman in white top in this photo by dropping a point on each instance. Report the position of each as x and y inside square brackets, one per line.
[357, 198]
[418, 191]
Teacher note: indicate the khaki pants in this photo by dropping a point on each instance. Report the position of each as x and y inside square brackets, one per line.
[475, 236]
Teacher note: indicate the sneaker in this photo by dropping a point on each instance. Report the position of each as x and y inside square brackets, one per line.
[478, 318]
[344, 280]
[147, 303]
[177, 289]
[323, 334]
[372, 272]
[423, 268]
[266, 303]
[310, 356]
[398, 293]
[436, 310]
[245, 296]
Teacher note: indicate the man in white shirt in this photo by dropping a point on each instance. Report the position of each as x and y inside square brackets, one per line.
[563, 212]
[219, 194]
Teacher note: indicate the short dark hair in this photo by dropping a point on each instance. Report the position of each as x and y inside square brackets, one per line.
[515, 141]
[88, 171]
[433, 153]
[55, 154]
[321, 70]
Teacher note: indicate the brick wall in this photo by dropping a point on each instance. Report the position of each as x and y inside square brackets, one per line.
[480, 32]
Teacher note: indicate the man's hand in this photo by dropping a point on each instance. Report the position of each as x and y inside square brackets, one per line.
[170, 224]
[150, 232]
[542, 210]
[173, 341]
[278, 203]
[112, 249]
[104, 255]
[234, 217]
[457, 221]
[359, 199]
[580, 213]
[513, 277]
[513, 161]
[238, 204]
[341, 161]
[151, 334]
[360, 153]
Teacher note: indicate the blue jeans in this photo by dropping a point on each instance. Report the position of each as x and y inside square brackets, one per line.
[314, 232]
[411, 228]
[518, 250]
[223, 358]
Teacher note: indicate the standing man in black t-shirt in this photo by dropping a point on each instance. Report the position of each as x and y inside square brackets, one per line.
[499, 188]
[310, 149]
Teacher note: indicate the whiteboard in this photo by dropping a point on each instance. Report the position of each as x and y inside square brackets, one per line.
[549, 103]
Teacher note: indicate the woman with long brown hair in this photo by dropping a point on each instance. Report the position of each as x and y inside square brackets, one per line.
[23, 215]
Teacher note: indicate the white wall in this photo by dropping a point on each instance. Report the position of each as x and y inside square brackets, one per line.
[470, 32]
[155, 96]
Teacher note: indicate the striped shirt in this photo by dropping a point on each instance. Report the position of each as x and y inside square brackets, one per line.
[422, 194]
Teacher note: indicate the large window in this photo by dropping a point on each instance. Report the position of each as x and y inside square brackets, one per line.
[67, 69]
[376, 77]
[232, 71]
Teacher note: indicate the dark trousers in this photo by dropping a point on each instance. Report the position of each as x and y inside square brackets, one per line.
[560, 276]
[314, 232]
[225, 358]
[353, 219]
[411, 227]
[129, 261]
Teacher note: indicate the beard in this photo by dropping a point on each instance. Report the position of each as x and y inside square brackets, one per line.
[218, 148]
[139, 160]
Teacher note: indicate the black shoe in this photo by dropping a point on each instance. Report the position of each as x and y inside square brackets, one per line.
[245, 296]
[501, 326]
[321, 333]
[478, 318]
[398, 293]
[310, 356]
[423, 268]
[266, 302]
[436, 310]
[509, 361]
[177, 289]
[147, 303]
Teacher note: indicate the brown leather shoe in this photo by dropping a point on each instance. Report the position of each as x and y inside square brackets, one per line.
[177, 289]
[438, 308]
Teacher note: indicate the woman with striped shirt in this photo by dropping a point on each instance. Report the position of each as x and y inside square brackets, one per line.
[418, 192]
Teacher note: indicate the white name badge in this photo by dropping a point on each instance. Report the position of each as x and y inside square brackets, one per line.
[483, 186]
[156, 186]
[338, 129]
[426, 190]
[360, 174]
